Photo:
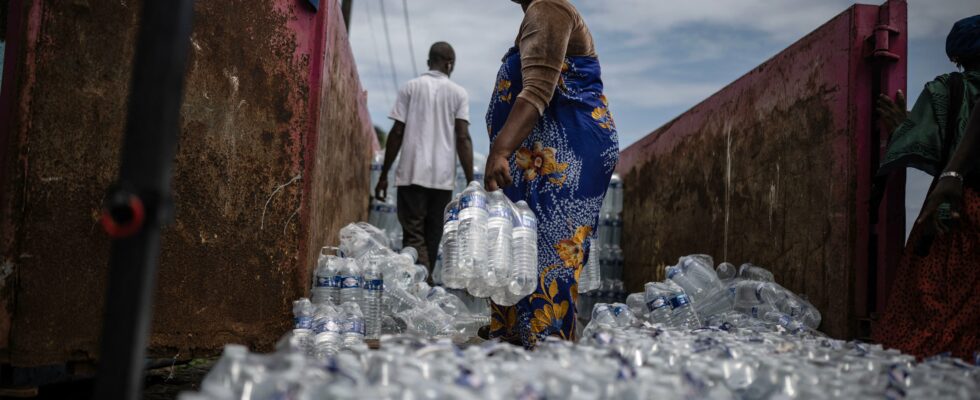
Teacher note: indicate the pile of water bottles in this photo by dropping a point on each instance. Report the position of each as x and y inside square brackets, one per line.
[696, 294]
[602, 279]
[367, 289]
[637, 360]
[489, 246]
[730, 333]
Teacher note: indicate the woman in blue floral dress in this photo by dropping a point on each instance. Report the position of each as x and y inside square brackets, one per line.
[554, 145]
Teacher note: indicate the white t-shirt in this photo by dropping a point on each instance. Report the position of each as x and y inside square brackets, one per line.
[429, 107]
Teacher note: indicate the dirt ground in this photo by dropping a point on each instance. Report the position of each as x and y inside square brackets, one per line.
[160, 384]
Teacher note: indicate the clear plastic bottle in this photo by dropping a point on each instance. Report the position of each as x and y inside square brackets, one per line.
[451, 274]
[353, 326]
[637, 304]
[303, 314]
[657, 299]
[754, 272]
[726, 271]
[605, 228]
[326, 287]
[616, 192]
[373, 296]
[616, 255]
[585, 281]
[696, 276]
[616, 231]
[525, 248]
[473, 215]
[350, 282]
[500, 236]
[682, 312]
[321, 317]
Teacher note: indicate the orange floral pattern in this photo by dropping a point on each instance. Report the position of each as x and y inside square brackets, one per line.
[571, 250]
[540, 161]
[603, 116]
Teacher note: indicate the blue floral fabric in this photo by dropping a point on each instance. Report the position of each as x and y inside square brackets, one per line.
[561, 170]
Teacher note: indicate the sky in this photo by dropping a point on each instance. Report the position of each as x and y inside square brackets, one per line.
[659, 57]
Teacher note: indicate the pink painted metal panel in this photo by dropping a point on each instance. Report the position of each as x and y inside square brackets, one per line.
[272, 109]
[768, 170]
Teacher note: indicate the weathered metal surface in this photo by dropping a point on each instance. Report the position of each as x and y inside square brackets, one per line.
[265, 169]
[765, 171]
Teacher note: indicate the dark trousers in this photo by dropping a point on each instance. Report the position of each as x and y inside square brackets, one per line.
[420, 211]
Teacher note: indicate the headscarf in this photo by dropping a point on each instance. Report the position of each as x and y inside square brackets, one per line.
[964, 40]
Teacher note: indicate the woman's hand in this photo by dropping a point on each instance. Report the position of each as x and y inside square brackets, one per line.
[947, 191]
[497, 173]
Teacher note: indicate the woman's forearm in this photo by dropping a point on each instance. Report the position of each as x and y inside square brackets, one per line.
[965, 157]
[518, 127]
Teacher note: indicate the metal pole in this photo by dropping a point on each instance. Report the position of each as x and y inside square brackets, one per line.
[139, 204]
[345, 10]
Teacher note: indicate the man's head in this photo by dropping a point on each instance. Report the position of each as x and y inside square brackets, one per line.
[442, 58]
[963, 42]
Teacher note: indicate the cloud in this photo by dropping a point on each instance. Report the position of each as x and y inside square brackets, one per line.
[659, 57]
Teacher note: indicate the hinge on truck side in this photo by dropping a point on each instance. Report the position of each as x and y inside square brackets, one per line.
[881, 40]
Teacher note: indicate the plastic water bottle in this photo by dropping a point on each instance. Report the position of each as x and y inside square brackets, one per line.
[585, 282]
[682, 314]
[753, 272]
[726, 271]
[657, 300]
[326, 287]
[353, 326]
[617, 261]
[350, 282]
[616, 192]
[623, 315]
[473, 215]
[605, 228]
[500, 236]
[323, 315]
[637, 305]
[525, 248]
[696, 276]
[756, 298]
[373, 296]
[451, 274]
[616, 231]
[437, 266]
[303, 313]
[377, 164]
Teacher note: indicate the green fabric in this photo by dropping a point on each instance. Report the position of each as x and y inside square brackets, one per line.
[918, 142]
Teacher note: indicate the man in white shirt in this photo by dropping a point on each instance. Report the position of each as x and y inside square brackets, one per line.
[431, 124]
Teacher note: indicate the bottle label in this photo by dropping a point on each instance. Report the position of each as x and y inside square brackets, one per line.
[680, 300]
[354, 326]
[500, 212]
[331, 325]
[324, 281]
[303, 322]
[452, 215]
[529, 221]
[374, 284]
[473, 201]
[350, 282]
[658, 303]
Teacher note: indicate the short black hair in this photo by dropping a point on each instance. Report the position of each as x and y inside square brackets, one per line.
[441, 51]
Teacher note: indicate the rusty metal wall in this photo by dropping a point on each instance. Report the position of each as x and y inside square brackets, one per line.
[267, 169]
[764, 171]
